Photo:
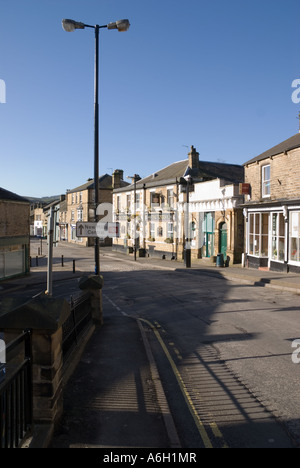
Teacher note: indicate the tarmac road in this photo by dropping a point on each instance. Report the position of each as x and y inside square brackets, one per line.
[222, 346]
[223, 350]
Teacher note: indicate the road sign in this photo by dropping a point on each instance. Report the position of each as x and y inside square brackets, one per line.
[86, 229]
[244, 189]
[99, 229]
[108, 230]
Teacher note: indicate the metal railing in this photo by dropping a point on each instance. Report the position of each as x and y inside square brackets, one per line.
[16, 392]
[77, 323]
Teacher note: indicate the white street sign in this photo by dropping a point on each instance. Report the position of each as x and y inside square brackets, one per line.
[86, 229]
[99, 229]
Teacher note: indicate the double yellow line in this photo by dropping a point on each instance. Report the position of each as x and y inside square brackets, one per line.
[199, 424]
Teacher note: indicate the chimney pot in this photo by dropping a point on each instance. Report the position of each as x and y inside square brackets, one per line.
[193, 158]
[117, 177]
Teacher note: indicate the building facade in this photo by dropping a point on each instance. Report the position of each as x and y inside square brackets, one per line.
[14, 235]
[80, 206]
[215, 220]
[36, 219]
[272, 210]
[155, 219]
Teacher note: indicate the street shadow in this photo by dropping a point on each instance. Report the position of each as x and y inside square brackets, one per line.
[105, 400]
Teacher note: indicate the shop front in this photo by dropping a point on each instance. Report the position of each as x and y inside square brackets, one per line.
[272, 237]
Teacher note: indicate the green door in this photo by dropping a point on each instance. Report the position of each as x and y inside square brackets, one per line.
[208, 227]
[223, 240]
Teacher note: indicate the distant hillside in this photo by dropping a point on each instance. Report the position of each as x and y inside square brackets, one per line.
[45, 200]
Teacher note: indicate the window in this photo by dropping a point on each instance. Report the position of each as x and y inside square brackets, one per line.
[73, 198]
[152, 230]
[79, 215]
[137, 201]
[128, 202]
[170, 231]
[170, 198]
[278, 238]
[155, 199]
[160, 231]
[72, 215]
[259, 234]
[265, 181]
[294, 236]
[80, 197]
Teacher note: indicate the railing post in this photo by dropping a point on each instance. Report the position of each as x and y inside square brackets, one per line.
[28, 356]
[44, 316]
[93, 285]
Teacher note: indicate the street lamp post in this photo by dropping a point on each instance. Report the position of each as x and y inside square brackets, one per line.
[134, 178]
[188, 237]
[70, 26]
[186, 181]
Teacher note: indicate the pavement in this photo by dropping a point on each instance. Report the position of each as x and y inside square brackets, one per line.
[115, 396]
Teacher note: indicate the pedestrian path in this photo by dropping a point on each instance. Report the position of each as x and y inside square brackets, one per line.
[263, 278]
[111, 398]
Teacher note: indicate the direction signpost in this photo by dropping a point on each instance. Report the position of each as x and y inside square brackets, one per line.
[86, 229]
[101, 230]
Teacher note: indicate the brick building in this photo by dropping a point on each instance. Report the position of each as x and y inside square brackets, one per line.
[152, 213]
[272, 210]
[14, 235]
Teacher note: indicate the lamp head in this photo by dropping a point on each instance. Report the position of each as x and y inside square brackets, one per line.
[120, 25]
[70, 25]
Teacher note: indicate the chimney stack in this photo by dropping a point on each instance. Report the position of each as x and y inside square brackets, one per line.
[117, 177]
[193, 158]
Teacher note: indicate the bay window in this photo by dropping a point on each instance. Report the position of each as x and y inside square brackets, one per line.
[294, 236]
[278, 236]
[258, 234]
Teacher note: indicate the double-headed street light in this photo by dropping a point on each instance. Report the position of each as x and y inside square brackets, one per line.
[70, 25]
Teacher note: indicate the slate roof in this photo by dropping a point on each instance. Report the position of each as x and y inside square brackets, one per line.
[287, 145]
[10, 196]
[105, 182]
[207, 171]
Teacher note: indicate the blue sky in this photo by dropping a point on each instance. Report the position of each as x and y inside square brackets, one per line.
[217, 75]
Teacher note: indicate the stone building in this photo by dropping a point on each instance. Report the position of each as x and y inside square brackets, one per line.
[152, 211]
[14, 235]
[36, 219]
[80, 205]
[272, 210]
